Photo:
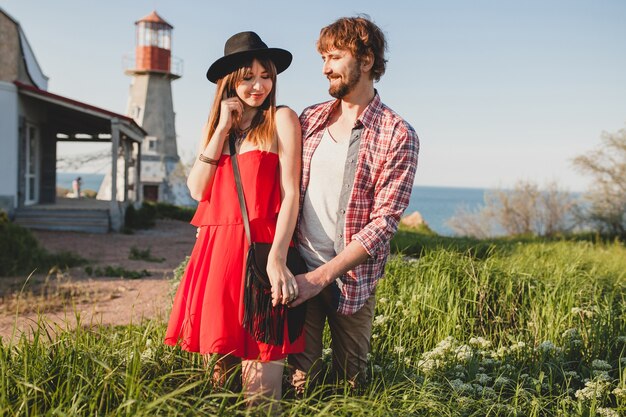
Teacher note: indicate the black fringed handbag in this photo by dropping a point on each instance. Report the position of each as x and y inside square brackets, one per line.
[265, 322]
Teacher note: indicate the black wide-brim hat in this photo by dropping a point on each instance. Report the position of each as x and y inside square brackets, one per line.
[240, 48]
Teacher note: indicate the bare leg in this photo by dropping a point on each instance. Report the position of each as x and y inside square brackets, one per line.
[262, 378]
[223, 369]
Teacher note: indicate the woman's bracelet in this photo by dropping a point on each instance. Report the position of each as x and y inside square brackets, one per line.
[208, 160]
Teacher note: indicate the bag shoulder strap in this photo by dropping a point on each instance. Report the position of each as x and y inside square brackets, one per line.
[240, 195]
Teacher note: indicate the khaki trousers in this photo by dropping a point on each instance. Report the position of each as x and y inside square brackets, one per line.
[350, 342]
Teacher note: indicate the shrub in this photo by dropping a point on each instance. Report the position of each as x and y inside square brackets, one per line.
[607, 197]
[524, 210]
[116, 271]
[20, 252]
[143, 218]
[170, 211]
[143, 255]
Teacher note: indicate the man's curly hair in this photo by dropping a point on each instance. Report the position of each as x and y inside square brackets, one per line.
[360, 36]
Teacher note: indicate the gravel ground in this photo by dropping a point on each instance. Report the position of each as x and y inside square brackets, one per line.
[60, 298]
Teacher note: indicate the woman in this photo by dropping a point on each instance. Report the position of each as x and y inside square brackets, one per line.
[208, 308]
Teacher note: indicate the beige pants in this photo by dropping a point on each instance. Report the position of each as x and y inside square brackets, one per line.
[350, 343]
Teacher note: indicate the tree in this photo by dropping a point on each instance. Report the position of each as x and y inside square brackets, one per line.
[606, 208]
[524, 210]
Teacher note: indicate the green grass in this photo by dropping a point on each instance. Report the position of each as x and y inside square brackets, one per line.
[143, 255]
[115, 271]
[522, 327]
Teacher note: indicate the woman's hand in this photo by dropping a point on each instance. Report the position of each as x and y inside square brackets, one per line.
[284, 286]
[231, 110]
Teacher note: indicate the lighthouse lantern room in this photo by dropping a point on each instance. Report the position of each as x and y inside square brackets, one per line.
[153, 43]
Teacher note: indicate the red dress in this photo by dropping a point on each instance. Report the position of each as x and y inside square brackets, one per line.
[207, 313]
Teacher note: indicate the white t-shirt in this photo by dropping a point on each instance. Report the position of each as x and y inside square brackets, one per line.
[318, 224]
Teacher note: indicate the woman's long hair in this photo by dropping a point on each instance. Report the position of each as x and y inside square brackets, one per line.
[263, 126]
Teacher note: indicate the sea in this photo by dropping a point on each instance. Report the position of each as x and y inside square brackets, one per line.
[435, 204]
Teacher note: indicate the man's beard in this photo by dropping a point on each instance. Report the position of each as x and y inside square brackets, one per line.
[343, 88]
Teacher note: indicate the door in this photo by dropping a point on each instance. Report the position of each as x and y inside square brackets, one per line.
[151, 192]
[32, 165]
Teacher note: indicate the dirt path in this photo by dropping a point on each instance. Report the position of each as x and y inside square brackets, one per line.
[62, 296]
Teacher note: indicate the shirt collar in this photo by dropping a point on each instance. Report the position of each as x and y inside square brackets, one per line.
[371, 113]
[367, 118]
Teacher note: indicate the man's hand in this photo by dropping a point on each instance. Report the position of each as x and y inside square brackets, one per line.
[309, 285]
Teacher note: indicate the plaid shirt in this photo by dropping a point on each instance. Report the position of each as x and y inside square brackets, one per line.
[385, 169]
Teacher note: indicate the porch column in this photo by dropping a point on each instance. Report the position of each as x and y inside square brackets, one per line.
[115, 212]
[138, 186]
[115, 147]
[127, 144]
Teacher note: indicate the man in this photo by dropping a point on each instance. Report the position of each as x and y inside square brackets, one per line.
[359, 162]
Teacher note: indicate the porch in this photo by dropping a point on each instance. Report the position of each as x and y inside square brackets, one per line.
[47, 119]
[70, 214]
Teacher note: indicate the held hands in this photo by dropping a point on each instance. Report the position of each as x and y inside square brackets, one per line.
[284, 286]
[309, 285]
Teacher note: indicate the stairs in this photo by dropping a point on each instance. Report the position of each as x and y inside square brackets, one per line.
[89, 220]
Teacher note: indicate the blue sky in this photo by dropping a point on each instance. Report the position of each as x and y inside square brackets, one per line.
[498, 91]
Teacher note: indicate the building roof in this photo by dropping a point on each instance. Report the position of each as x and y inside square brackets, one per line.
[33, 69]
[78, 106]
[154, 18]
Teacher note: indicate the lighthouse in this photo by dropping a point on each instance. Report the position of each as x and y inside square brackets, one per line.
[163, 177]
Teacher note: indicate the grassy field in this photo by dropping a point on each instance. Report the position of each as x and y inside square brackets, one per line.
[462, 328]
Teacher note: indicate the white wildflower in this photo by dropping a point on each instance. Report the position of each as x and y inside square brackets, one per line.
[147, 354]
[573, 337]
[502, 351]
[620, 393]
[428, 365]
[375, 336]
[601, 374]
[461, 387]
[593, 389]
[446, 343]
[483, 379]
[547, 347]
[399, 303]
[398, 349]
[463, 352]
[407, 361]
[489, 362]
[600, 365]
[383, 300]
[571, 374]
[327, 352]
[501, 381]
[377, 368]
[480, 342]
[606, 412]
[380, 320]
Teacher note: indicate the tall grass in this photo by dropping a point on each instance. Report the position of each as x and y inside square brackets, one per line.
[525, 329]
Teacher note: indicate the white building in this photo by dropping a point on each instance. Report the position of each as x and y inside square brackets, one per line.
[32, 122]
